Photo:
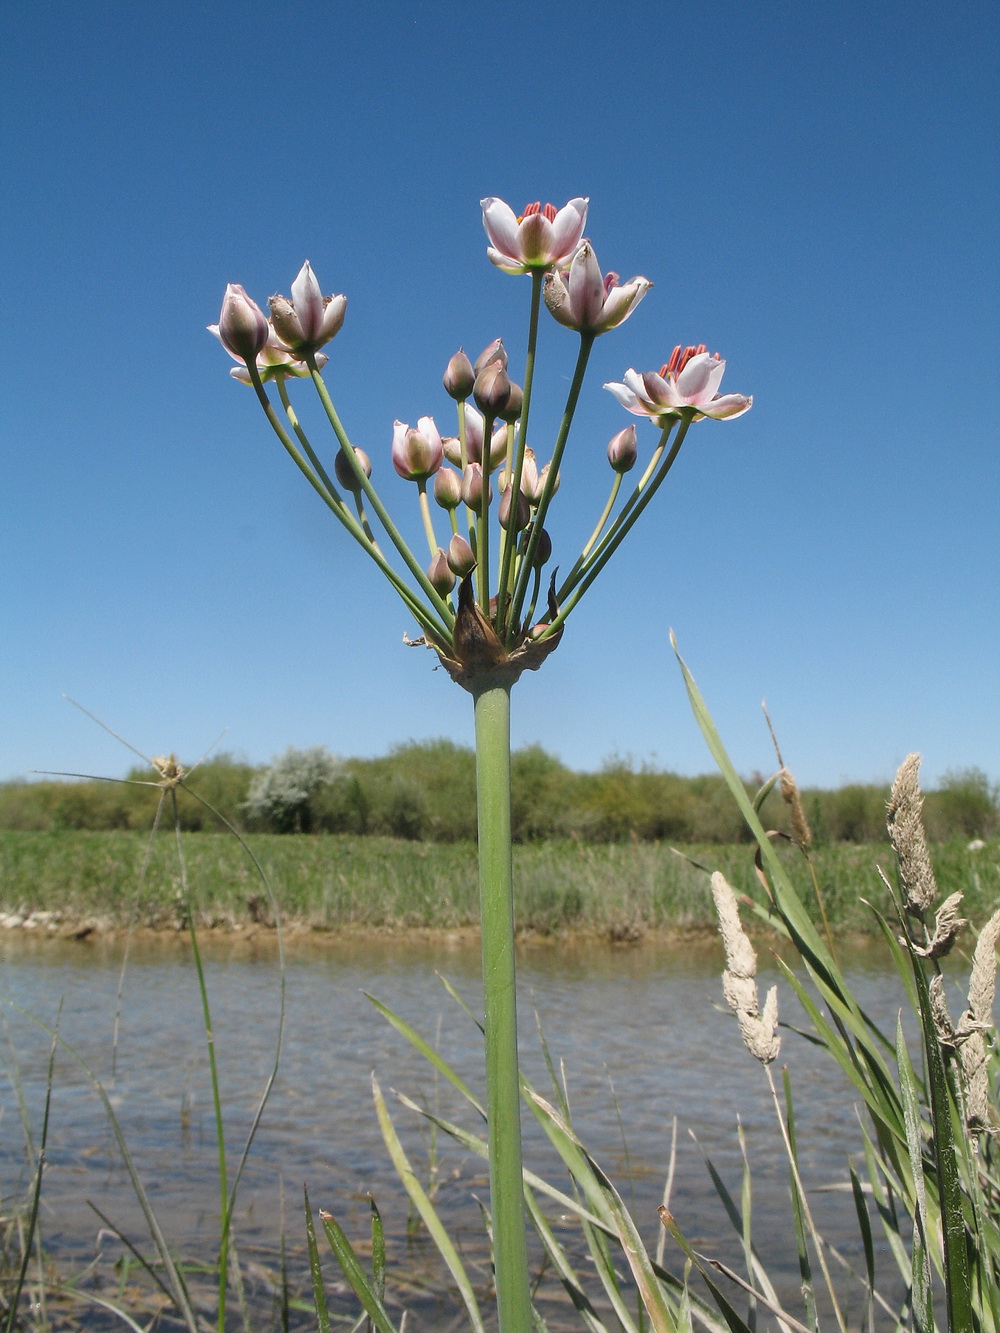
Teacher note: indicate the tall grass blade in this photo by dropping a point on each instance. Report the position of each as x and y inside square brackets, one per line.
[865, 1227]
[426, 1209]
[178, 1289]
[734, 1321]
[596, 1185]
[958, 1289]
[14, 1297]
[562, 1266]
[315, 1271]
[427, 1051]
[355, 1274]
[798, 1215]
[472, 1143]
[920, 1249]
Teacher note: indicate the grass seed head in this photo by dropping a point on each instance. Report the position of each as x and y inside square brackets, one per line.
[758, 1030]
[906, 833]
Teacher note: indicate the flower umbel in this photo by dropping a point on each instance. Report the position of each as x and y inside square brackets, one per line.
[685, 386]
[538, 239]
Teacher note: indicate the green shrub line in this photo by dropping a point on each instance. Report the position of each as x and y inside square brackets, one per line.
[426, 791]
[616, 890]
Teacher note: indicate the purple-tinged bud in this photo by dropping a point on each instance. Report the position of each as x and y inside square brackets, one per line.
[416, 454]
[543, 551]
[542, 477]
[461, 557]
[441, 577]
[243, 328]
[447, 487]
[521, 511]
[345, 473]
[495, 353]
[459, 377]
[472, 487]
[492, 390]
[309, 319]
[622, 450]
[514, 404]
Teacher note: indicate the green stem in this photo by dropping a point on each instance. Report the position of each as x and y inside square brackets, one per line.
[514, 477]
[502, 1082]
[412, 563]
[517, 601]
[332, 499]
[589, 572]
[220, 1134]
[425, 514]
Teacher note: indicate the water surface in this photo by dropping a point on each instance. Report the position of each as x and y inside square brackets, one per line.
[638, 1033]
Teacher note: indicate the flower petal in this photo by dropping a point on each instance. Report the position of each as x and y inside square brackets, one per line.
[628, 399]
[726, 406]
[501, 226]
[567, 227]
[586, 289]
[699, 380]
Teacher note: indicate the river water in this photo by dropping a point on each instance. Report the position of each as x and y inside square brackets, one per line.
[638, 1030]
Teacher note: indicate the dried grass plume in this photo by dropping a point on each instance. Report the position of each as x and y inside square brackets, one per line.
[759, 1029]
[906, 833]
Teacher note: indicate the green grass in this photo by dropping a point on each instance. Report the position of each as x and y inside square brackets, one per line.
[619, 890]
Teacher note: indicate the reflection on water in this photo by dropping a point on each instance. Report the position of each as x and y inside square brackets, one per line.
[637, 1030]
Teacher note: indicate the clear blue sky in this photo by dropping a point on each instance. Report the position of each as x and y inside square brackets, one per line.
[813, 191]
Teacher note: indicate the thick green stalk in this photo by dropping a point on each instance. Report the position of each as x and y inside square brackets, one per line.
[503, 1098]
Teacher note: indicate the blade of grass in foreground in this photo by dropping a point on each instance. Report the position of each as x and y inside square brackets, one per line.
[14, 1297]
[178, 1288]
[426, 1209]
[958, 1289]
[355, 1274]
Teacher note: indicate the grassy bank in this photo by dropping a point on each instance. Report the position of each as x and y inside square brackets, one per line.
[615, 890]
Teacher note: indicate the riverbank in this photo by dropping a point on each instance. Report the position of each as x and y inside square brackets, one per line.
[79, 883]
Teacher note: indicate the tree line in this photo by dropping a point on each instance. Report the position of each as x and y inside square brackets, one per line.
[426, 791]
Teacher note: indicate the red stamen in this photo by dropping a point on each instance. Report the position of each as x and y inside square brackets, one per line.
[531, 208]
[679, 359]
[610, 281]
[550, 212]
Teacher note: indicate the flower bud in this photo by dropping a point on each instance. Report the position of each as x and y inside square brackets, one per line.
[459, 377]
[472, 487]
[521, 510]
[514, 404]
[461, 557]
[346, 474]
[448, 488]
[543, 551]
[453, 449]
[243, 329]
[622, 451]
[441, 577]
[416, 454]
[492, 390]
[496, 352]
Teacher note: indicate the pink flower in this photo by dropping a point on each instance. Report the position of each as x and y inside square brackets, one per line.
[273, 359]
[539, 239]
[242, 328]
[474, 441]
[589, 302]
[416, 454]
[685, 386]
[309, 319]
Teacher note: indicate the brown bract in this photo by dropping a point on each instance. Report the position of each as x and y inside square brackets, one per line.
[477, 659]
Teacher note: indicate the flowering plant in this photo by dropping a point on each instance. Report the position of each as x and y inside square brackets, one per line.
[497, 622]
